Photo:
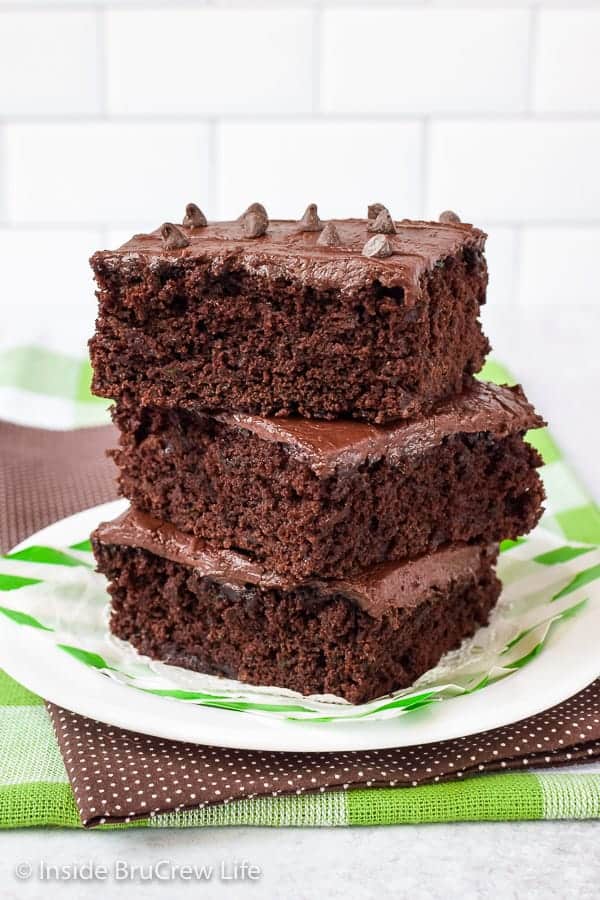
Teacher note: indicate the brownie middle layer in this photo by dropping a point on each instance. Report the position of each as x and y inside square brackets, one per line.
[329, 499]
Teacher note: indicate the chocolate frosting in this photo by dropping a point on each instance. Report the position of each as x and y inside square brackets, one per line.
[285, 251]
[377, 590]
[324, 446]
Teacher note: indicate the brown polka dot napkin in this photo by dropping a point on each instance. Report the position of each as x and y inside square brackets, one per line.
[118, 775]
[47, 475]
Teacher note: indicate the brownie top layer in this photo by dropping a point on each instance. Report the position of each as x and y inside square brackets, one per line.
[324, 445]
[287, 250]
[383, 587]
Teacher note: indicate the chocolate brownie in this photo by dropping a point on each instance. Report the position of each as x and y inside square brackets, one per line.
[220, 613]
[369, 319]
[330, 498]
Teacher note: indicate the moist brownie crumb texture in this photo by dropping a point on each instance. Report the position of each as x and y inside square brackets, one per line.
[318, 484]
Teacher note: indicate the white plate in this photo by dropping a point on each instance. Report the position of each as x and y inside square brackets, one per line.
[570, 661]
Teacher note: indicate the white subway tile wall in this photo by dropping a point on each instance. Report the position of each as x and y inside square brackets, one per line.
[567, 76]
[114, 114]
[424, 61]
[49, 63]
[47, 287]
[213, 62]
[559, 266]
[103, 171]
[340, 165]
[515, 169]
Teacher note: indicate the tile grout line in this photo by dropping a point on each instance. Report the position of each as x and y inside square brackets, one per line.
[101, 62]
[473, 118]
[4, 220]
[532, 53]
[168, 5]
[317, 36]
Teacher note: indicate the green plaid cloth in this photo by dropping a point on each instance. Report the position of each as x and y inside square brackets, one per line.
[35, 790]
[34, 787]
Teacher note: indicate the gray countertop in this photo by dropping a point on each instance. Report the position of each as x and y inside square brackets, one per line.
[463, 861]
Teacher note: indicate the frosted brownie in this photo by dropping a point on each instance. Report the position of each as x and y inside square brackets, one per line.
[330, 498]
[220, 613]
[275, 318]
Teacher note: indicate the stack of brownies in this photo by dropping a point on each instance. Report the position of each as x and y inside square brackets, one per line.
[318, 484]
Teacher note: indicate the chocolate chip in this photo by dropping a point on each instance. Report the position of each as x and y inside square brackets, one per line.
[310, 221]
[172, 236]
[449, 218]
[255, 224]
[379, 247]
[254, 220]
[329, 237]
[254, 208]
[383, 224]
[194, 217]
[374, 210]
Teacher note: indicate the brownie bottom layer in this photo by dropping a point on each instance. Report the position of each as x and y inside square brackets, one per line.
[306, 639]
